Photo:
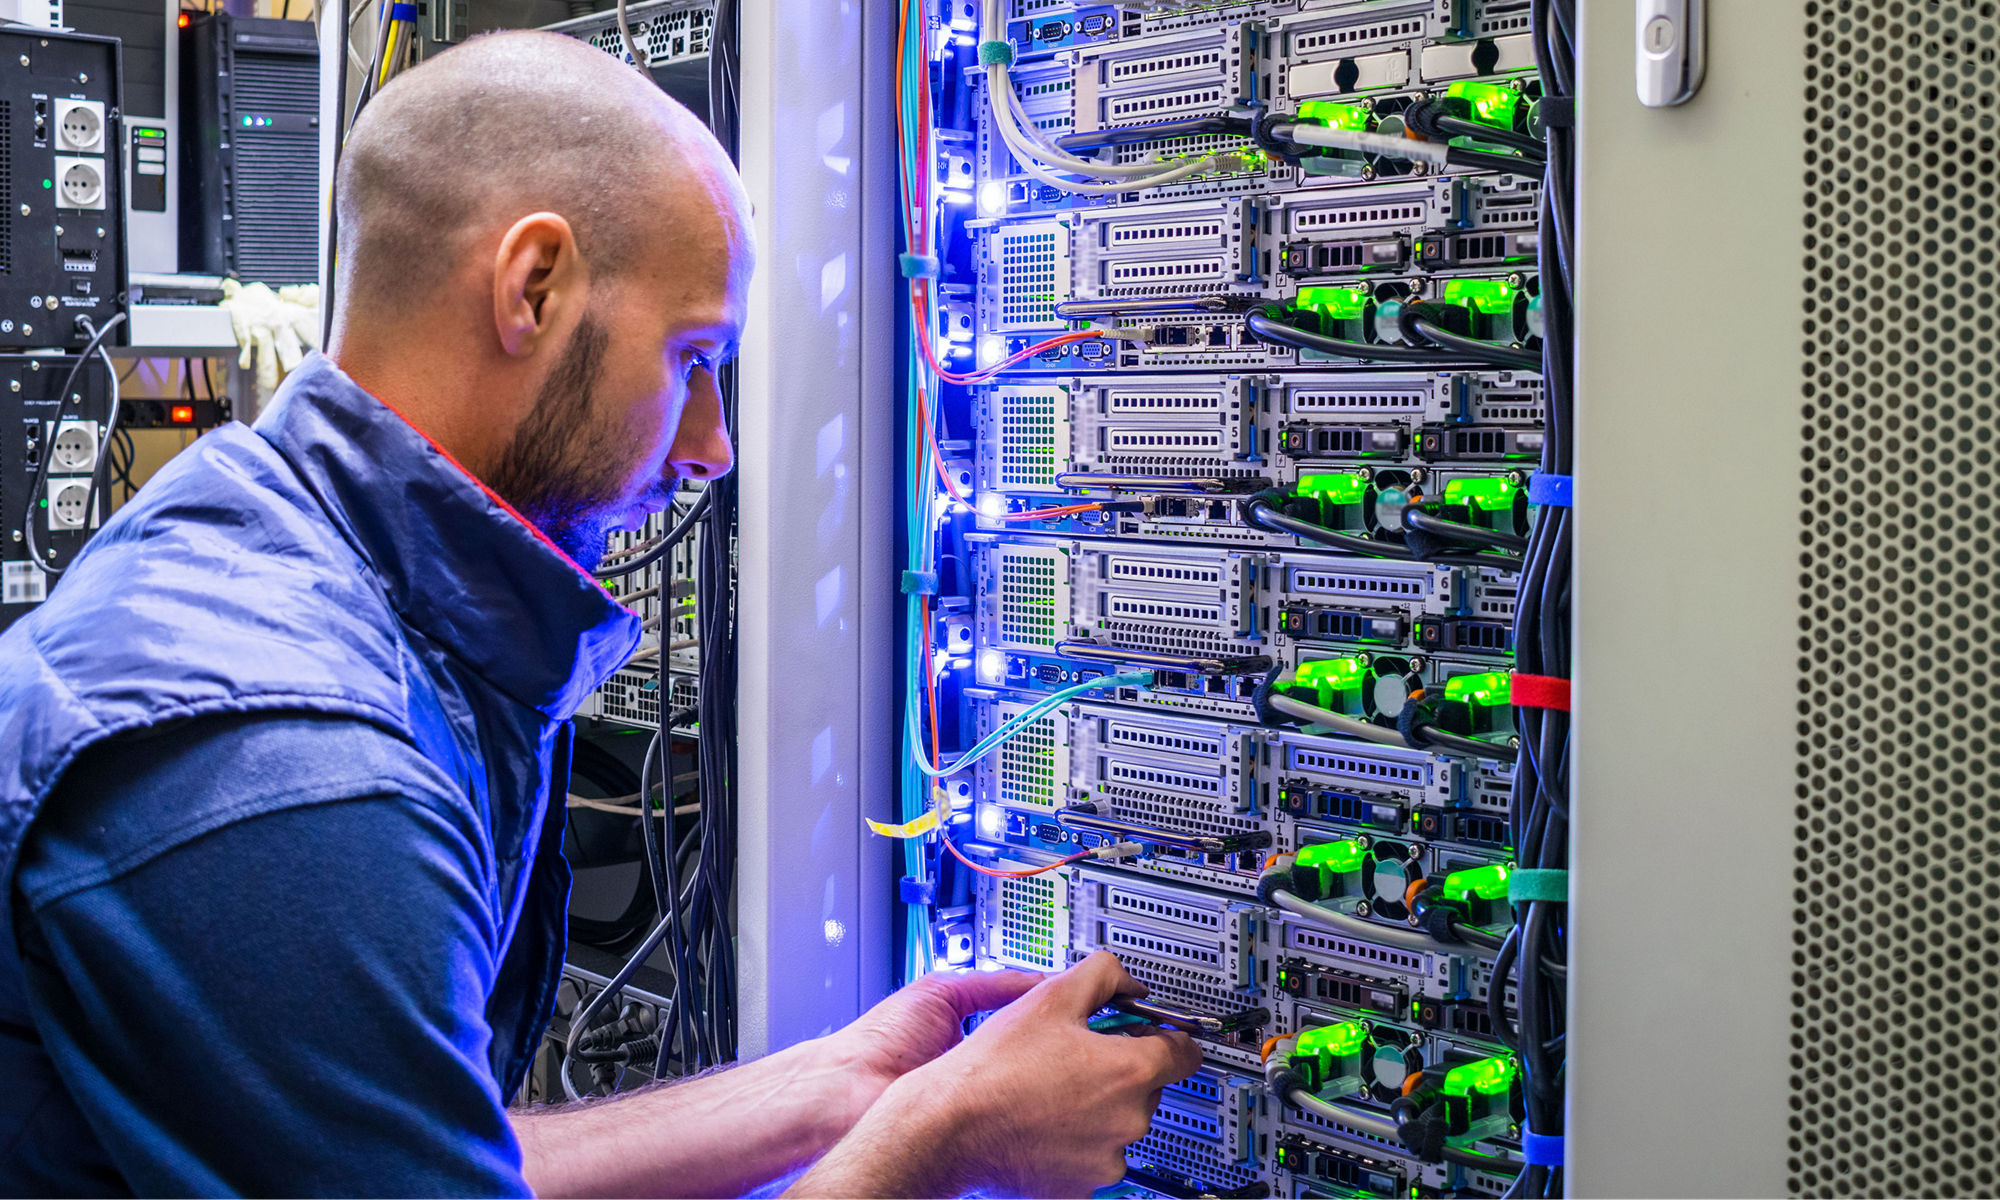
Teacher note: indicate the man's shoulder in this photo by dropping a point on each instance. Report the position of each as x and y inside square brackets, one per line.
[223, 586]
[126, 800]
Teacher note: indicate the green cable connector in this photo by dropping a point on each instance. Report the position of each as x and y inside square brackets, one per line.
[1487, 297]
[1486, 103]
[1488, 690]
[1487, 883]
[1476, 704]
[1329, 1053]
[1339, 1040]
[1332, 489]
[1337, 858]
[1490, 495]
[1333, 303]
[1488, 1077]
[1337, 681]
[1335, 115]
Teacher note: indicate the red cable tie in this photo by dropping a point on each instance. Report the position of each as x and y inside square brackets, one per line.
[1540, 691]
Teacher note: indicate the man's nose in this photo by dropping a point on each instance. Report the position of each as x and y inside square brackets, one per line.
[701, 446]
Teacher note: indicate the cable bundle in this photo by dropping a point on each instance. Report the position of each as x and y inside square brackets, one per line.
[1535, 955]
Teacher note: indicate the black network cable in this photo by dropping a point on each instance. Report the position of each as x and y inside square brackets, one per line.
[1478, 349]
[1488, 160]
[1265, 515]
[1269, 329]
[1423, 522]
[1523, 143]
[658, 549]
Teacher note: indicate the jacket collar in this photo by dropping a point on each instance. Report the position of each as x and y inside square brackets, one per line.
[455, 560]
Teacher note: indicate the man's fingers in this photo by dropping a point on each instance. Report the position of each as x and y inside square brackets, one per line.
[1172, 1055]
[983, 991]
[1090, 985]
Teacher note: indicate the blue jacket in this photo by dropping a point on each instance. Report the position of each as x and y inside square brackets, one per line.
[329, 561]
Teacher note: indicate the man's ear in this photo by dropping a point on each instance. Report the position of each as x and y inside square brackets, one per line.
[539, 281]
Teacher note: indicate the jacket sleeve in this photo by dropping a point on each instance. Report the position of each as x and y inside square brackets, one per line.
[289, 1004]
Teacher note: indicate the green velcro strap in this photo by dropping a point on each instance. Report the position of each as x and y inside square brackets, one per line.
[1523, 886]
[917, 266]
[920, 583]
[996, 52]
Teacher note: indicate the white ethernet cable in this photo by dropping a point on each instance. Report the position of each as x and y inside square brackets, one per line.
[1367, 143]
[1032, 152]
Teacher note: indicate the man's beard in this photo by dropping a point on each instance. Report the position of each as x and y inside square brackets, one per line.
[562, 471]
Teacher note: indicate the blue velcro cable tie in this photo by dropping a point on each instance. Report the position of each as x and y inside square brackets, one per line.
[917, 266]
[402, 12]
[1541, 1149]
[1551, 490]
[996, 52]
[920, 583]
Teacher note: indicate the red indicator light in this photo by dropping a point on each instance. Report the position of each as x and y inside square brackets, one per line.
[182, 21]
[181, 414]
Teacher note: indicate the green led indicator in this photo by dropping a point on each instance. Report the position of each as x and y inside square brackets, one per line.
[1340, 858]
[1332, 489]
[1489, 105]
[1334, 303]
[1483, 691]
[1335, 115]
[1488, 297]
[48, 183]
[1488, 1077]
[1494, 494]
[1487, 883]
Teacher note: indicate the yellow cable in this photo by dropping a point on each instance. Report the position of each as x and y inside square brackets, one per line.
[388, 53]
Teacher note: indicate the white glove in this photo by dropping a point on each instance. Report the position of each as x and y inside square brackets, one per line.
[274, 328]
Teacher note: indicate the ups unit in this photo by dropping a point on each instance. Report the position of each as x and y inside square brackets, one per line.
[62, 197]
[38, 431]
[250, 149]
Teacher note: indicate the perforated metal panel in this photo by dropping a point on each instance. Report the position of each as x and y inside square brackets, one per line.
[1895, 996]
[1028, 922]
[1033, 438]
[6, 187]
[1033, 261]
[1031, 583]
[1028, 764]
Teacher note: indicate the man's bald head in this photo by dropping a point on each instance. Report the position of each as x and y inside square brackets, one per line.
[544, 261]
[454, 151]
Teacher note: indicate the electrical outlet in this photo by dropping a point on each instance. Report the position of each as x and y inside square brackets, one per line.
[74, 447]
[79, 183]
[69, 503]
[80, 126]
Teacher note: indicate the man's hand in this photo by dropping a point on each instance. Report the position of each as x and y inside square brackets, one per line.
[915, 1025]
[730, 1131]
[1032, 1104]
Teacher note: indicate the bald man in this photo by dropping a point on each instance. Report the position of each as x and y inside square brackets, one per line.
[284, 897]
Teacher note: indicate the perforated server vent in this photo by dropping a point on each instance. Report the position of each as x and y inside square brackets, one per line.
[1029, 423]
[1896, 961]
[1028, 921]
[1028, 766]
[1028, 598]
[1034, 275]
[6, 187]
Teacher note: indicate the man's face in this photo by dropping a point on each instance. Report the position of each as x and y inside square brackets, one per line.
[630, 407]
